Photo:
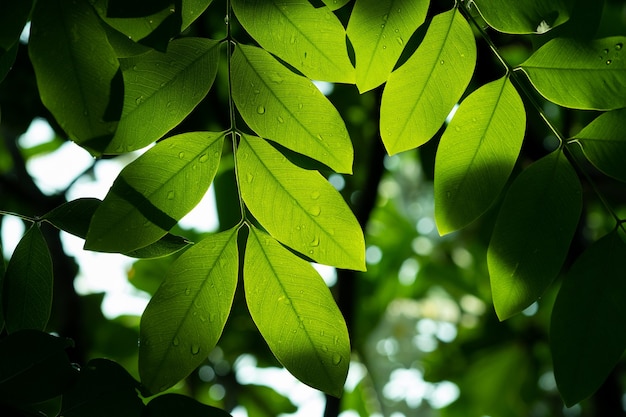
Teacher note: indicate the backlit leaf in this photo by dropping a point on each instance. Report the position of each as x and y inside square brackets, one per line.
[533, 232]
[161, 89]
[421, 93]
[604, 143]
[311, 40]
[74, 82]
[477, 153]
[589, 315]
[155, 191]
[580, 74]
[28, 280]
[379, 31]
[288, 109]
[524, 16]
[185, 318]
[335, 4]
[299, 207]
[296, 314]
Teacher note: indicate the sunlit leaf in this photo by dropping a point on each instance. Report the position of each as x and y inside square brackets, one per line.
[477, 153]
[311, 40]
[288, 109]
[185, 318]
[161, 89]
[335, 4]
[379, 30]
[28, 279]
[299, 207]
[533, 232]
[580, 74]
[155, 191]
[296, 314]
[181, 405]
[523, 16]
[74, 82]
[421, 93]
[589, 315]
[604, 143]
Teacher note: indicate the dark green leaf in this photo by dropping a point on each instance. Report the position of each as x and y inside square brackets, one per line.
[533, 232]
[185, 318]
[524, 16]
[335, 4]
[262, 401]
[27, 292]
[165, 246]
[169, 405]
[7, 59]
[74, 216]
[13, 17]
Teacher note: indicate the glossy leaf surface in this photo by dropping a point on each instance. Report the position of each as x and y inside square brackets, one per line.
[155, 191]
[299, 207]
[185, 318]
[524, 16]
[588, 75]
[296, 314]
[477, 153]
[379, 31]
[533, 232]
[421, 93]
[288, 109]
[589, 315]
[311, 40]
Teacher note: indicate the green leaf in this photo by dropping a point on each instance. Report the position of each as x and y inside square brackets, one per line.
[533, 232]
[163, 88]
[155, 191]
[185, 318]
[27, 288]
[588, 75]
[311, 40]
[335, 4]
[13, 17]
[167, 245]
[180, 405]
[263, 401]
[298, 207]
[296, 314]
[6, 60]
[74, 82]
[589, 315]
[287, 108]
[379, 30]
[421, 93]
[477, 153]
[524, 16]
[604, 143]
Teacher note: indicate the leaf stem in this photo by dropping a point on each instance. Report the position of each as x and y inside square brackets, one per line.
[18, 215]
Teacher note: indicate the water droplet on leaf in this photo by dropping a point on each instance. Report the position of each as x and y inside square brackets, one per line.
[618, 46]
[195, 349]
[336, 359]
[608, 62]
[171, 195]
[181, 155]
[315, 211]
[315, 195]
[176, 341]
[203, 158]
[260, 110]
[250, 177]
[280, 119]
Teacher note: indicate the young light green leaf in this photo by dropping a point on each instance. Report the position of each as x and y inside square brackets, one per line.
[533, 232]
[155, 191]
[524, 16]
[185, 318]
[288, 109]
[298, 207]
[588, 319]
[296, 314]
[311, 40]
[27, 292]
[421, 93]
[604, 143]
[335, 4]
[588, 75]
[163, 88]
[379, 31]
[477, 153]
[74, 82]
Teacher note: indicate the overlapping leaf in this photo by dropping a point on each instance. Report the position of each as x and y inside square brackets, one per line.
[298, 207]
[185, 318]
[74, 82]
[580, 74]
[13, 17]
[311, 40]
[155, 191]
[421, 93]
[524, 16]
[589, 315]
[335, 4]
[296, 314]
[27, 291]
[288, 109]
[604, 143]
[533, 232]
[161, 89]
[477, 153]
[379, 30]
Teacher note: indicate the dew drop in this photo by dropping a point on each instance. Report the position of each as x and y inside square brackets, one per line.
[442, 62]
[257, 91]
[212, 317]
[250, 177]
[181, 155]
[276, 77]
[284, 300]
[139, 99]
[176, 341]
[336, 359]
[171, 195]
[457, 128]
[605, 51]
[280, 119]
[385, 17]
[400, 41]
[319, 136]
[315, 211]
[384, 46]
[292, 40]
[195, 349]
[315, 242]
[618, 46]
[135, 68]
[300, 105]
[203, 158]
[315, 195]
[187, 291]
[260, 110]
[608, 62]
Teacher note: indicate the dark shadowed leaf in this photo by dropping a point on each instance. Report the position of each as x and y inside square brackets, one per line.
[169, 405]
[524, 16]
